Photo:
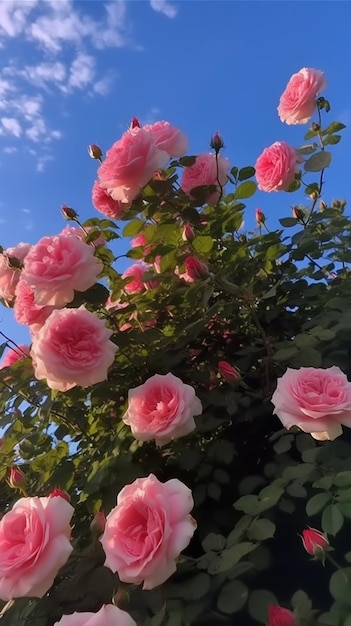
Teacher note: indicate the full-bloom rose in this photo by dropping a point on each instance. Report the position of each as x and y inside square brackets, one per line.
[72, 348]
[147, 530]
[34, 544]
[26, 311]
[14, 354]
[298, 102]
[276, 167]
[204, 172]
[277, 616]
[130, 164]
[58, 266]
[9, 275]
[104, 203]
[163, 408]
[108, 615]
[316, 400]
[168, 138]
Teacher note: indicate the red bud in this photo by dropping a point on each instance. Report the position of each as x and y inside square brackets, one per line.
[188, 233]
[58, 493]
[314, 541]
[98, 524]
[230, 373]
[68, 213]
[135, 123]
[16, 479]
[277, 616]
[216, 142]
[95, 152]
[260, 216]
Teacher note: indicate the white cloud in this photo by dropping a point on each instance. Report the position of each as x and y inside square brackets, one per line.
[82, 72]
[11, 126]
[10, 150]
[165, 7]
[14, 15]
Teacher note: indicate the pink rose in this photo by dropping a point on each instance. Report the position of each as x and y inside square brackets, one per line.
[104, 203]
[168, 138]
[140, 241]
[277, 616]
[72, 348]
[26, 311]
[314, 542]
[147, 530]
[108, 615]
[298, 102]
[58, 266]
[204, 172]
[130, 164]
[34, 544]
[316, 400]
[276, 167]
[72, 231]
[135, 271]
[9, 276]
[15, 354]
[163, 408]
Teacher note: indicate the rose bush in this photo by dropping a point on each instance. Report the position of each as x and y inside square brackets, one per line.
[162, 372]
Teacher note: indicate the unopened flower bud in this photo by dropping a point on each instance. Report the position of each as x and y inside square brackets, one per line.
[315, 127]
[97, 525]
[336, 204]
[260, 216]
[59, 493]
[322, 206]
[314, 195]
[216, 142]
[135, 123]
[122, 599]
[298, 213]
[188, 233]
[16, 479]
[14, 262]
[278, 616]
[314, 542]
[68, 213]
[230, 373]
[195, 268]
[95, 152]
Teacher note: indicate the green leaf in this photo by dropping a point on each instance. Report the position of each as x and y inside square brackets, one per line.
[283, 444]
[230, 556]
[340, 586]
[332, 140]
[133, 228]
[213, 542]
[233, 597]
[334, 127]
[187, 161]
[259, 601]
[317, 503]
[343, 479]
[301, 601]
[261, 529]
[203, 244]
[248, 504]
[246, 172]
[308, 149]
[288, 222]
[332, 519]
[318, 162]
[284, 354]
[234, 172]
[245, 190]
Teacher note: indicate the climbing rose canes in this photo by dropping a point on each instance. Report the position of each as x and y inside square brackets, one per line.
[108, 615]
[298, 101]
[34, 544]
[316, 400]
[147, 530]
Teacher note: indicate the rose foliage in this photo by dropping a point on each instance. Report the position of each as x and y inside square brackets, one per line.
[184, 406]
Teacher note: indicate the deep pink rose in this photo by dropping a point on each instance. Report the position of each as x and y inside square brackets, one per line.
[276, 167]
[168, 138]
[130, 164]
[277, 616]
[135, 271]
[316, 400]
[147, 530]
[58, 266]
[34, 544]
[141, 241]
[26, 311]
[108, 615]
[105, 204]
[314, 542]
[298, 102]
[9, 276]
[72, 348]
[163, 408]
[204, 172]
[14, 354]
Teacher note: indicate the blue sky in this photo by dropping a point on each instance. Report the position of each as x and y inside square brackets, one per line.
[76, 72]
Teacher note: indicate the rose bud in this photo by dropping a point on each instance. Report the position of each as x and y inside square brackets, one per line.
[58, 493]
[188, 233]
[216, 142]
[98, 523]
[230, 373]
[260, 216]
[68, 213]
[277, 616]
[298, 213]
[95, 152]
[195, 268]
[314, 542]
[135, 123]
[17, 478]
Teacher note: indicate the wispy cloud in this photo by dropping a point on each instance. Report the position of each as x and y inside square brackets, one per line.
[165, 7]
[10, 126]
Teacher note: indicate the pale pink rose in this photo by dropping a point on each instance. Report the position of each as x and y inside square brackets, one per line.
[115, 304]
[9, 276]
[15, 354]
[204, 172]
[163, 408]
[108, 615]
[104, 203]
[135, 271]
[26, 311]
[147, 530]
[34, 544]
[316, 400]
[130, 164]
[58, 266]
[72, 348]
[276, 167]
[298, 102]
[80, 234]
[168, 138]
